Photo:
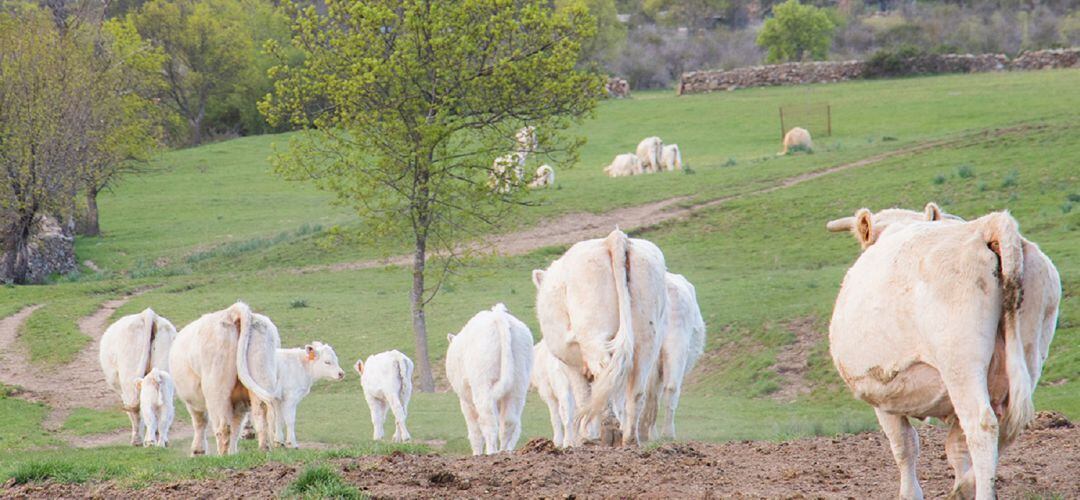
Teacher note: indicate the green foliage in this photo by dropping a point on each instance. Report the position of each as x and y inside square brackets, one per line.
[887, 63]
[610, 37]
[965, 171]
[796, 33]
[695, 14]
[939, 179]
[209, 48]
[322, 481]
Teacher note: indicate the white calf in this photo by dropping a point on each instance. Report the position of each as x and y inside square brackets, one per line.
[156, 391]
[387, 382]
[550, 379]
[624, 165]
[648, 151]
[671, 158]
[297, 370]
[488, 365]
[129, 349]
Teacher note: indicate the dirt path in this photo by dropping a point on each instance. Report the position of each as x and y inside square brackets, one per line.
[572, 228]
[78, 384]
[1042, 463]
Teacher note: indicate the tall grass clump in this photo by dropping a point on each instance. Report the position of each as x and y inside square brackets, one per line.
[321, 481]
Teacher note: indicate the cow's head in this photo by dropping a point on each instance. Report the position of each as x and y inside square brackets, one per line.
[868, 226]
[322, 361]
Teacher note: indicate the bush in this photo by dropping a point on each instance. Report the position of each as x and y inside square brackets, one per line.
[887, 63]
[1011, 180]
[796, 33]
[965, 172]
[320, 481]
[939, 179]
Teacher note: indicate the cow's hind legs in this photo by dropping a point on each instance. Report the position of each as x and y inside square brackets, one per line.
[960, 459]
[476, 438]
[198, 441]
[904, 442]
[136, 427]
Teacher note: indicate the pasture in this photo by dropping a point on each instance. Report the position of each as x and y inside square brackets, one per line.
[213, 224]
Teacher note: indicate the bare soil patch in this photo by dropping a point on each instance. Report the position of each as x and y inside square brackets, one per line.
[1042, 462]
[792, 360]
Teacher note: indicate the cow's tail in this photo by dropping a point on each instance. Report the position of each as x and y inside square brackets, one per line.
[1002, 235]
[240, 316]
[678, 159]
[612, 378]
[405, 369]
[506, 353]
[145, 341]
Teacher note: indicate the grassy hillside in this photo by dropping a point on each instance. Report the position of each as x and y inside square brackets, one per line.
[214, 225]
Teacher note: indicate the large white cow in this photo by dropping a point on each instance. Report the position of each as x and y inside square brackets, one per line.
[488, 365]
[624, 165]
[129, 349]
[297, 370]
[948, 319]
[649, 151]
[221, 363]
[602, 308]
[683, 345]
[796, 138]
[156, 391]
[386, 379]
[671, 157]
[553, 384]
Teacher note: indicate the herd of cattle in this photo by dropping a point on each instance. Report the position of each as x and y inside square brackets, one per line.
[938, 317]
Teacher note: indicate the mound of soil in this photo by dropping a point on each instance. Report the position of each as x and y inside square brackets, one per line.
[1040, 463]
[1049, 420]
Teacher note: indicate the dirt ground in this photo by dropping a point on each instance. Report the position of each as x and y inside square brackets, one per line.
[1042, 463]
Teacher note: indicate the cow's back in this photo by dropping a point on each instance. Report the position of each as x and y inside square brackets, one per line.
[204, 354]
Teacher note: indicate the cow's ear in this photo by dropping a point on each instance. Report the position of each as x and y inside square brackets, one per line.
[359, 366]
[310, 352]
[449, 337]
[932, 211]
[138, 384]
[840, 225]
[864, 229]
[538, 277]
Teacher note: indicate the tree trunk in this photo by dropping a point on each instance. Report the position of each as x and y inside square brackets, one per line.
[90, 224]
[416, 297]
[15, 266]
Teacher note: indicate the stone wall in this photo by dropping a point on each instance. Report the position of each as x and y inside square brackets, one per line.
[837, 71]
[52, 250]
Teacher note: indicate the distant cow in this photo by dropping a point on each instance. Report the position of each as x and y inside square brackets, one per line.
[526, 139]
[683, 345]
[129, 349]
[545, 176]
[671, 158]
[948, 319]
[624, 165]
[649, 151]
[507, 172]
[297, 370]
[221, 363]
[156, 391]
[553, 384]
[386, 379]
[797, 138]
[602, 308]
[488, 365]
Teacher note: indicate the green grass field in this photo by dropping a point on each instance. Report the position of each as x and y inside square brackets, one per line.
[211, 225]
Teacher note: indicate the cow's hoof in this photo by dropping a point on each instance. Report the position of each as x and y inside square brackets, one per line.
[196, 453]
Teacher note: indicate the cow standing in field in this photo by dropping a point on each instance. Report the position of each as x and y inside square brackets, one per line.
[624, 165]
[648, 152]
[671, 158]
[553, 384]
[489, 363]
[948, 319]
[602, 308]
[156, 391]
[129, 349]
[297, 370]
[223, 364]
[683, 345]
[386, 379]
[796, 138]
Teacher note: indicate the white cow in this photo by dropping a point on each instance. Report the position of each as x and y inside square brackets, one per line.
[156, 391]
[602, 308]
[671, 158]
[948, 319]
[488, 365]
[649, 151]
[545, 176]
[221, 363]
[553, 384]
[129, 349]
[683, 345]
[507, 172]
[624, 165]
[796, 137]
[387, 382]
[297, 370]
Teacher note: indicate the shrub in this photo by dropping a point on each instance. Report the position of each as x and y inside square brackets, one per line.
[1011, 180]
[939, 179]
[796, 32]
[320, 481]
[887, 63]
[965, 172]
[298, 303]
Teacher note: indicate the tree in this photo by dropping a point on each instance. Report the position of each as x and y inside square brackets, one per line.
[796, 32]
[209, 52]
[603, 48]
[127, 76]
[693, 14]
[47, 124]
[407, 102]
